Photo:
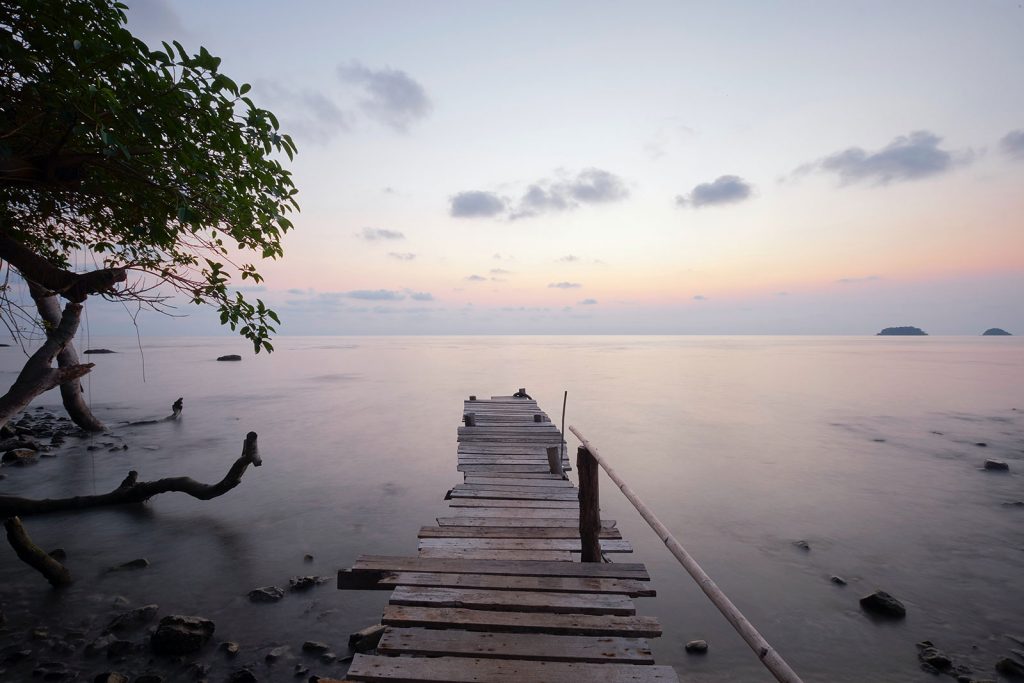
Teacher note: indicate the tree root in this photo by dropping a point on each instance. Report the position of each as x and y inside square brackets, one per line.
[133, 491]
[34, 556]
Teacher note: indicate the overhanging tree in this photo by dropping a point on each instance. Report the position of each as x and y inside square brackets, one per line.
[149, 165]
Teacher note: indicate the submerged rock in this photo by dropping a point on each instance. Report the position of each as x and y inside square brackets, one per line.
[179, 635]
[19, 456]
[933, 657]
[837, 580]
[882, 604]
[266, 594]
[132, 618]
[229, 648]
[304, 583]
[93, 351]
[242, 676]
[803, 545]
[138, 563]
[230, 356]
[315, 646]
[277, 653]
[1010, 668]
[697, 647]
[992, 466]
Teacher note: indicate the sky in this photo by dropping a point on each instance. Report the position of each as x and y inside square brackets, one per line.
[619, 168]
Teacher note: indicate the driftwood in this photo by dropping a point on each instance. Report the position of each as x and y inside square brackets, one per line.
[38, 376]
[71, 391]
[175, 414]
[132, 490]
[34, 556]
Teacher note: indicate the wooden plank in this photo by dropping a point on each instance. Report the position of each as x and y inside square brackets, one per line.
[513, 601]
[388, 563]
[506, 471]
[522, 622]
[525, 504]
[569, 522]
[531, 646]
[561, 491]
[538, 531]
[551, 481]
[569, 544]
[548, 584]
[378, 668]
[476, 554]
[482, 494]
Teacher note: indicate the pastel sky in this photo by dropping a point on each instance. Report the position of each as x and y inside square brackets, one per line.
[644, 167]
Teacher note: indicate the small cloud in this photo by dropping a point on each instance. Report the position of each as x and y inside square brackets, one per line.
[374, 234]
[421, 296]
[907, 157]
[700, 297]
[308, 113]
[374, 295]
[297, 292]
[1013, 144]
[569, 259]
[500, 271]
[564, 285]
[402, 256]
[589, 186]
[476, 278]
[856, 280]
[726, 189]
[476, 204]
[392, 97]
[594, 185]
[588, 302]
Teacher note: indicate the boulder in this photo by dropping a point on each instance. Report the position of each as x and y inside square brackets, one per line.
[19, 456]
[242, 676]
[697, 647]
[266, 594]
[229, 648]
[1010, 668]
[837, 580]
[132, 618]
[882, 604]
[179, 635]
[934, 657]
[315, 646]
[230, 356]
[277, 653]
[991, 465]
[304, 583]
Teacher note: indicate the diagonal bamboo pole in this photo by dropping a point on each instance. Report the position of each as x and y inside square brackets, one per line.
[772, 660]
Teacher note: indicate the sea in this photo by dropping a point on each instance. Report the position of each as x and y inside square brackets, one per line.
[869, 449]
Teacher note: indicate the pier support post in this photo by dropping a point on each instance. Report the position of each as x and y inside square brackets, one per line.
[469, 419]
[538, 418]
[590, 506]
[555, 461]
[472, 398]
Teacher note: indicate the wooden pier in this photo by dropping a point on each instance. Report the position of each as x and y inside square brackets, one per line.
[497, 591]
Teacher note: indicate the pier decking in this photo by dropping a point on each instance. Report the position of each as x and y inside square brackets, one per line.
[497, 591]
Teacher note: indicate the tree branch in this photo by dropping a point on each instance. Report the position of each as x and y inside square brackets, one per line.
[34, 556]
[74, 287]
[133, 491]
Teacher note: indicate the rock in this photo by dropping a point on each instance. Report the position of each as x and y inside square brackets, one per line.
[242, 676]
[149, 678]
[139, 563]
[307, 558]
[301, 670]
[803, 545]
[882, 604]
[315, 646]
[991, 465]
[199, 670]
[97, 351]
[981, 444]
[110, 677]
[328, 657]
[304, 583]
[229, 648]
[39, 633]
[366, 639]
[277, 653]
[179, 635]
[1015, 504]
[995, 332]
[697, 647]
[907, 330]
[132, 618]
[99, 645]
[19, 456]
[230, 356]
[266, 594]
[935, 658]
[837, 580]
[1010, 668]
[15, 656]
[54, 671]
[119, 648]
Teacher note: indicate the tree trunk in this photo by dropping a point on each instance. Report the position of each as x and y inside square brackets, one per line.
[38, 376]
[70, 392]
[133, 491]
[34, 556]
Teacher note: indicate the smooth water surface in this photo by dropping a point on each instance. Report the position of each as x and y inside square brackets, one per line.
[865, 447]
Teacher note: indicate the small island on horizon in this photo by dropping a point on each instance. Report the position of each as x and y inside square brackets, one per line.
[996, 332]
[906, 330]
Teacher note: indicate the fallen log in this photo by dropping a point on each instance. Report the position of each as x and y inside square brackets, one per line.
[34, 556]
[131, 490]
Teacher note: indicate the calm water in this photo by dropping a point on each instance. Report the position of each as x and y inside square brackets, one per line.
[865, 447]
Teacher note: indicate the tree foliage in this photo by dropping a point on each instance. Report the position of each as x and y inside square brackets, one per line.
[148, 160]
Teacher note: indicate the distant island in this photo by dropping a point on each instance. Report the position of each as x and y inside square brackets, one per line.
[902, 331]
[995, 332]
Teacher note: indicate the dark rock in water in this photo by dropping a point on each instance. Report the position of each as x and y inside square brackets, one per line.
[99, 645]
[697, 647]
[199, 671]
[230, 356]
[179, 635]
[277, 653]
[904, 331]
[981, 444]
[996, 466]
[304, 583]
[92, 351]
[54, 671]
[4, 345]
[837, 580]
[1015, 504]
[803, 545]
[933, 657]
[229, 648]
[328, 657]
[39, 633]
[119, 648]
[882, 604]
[149, 678]
[19, 456]
[315, 646]
[266, 594]
[110, 677]
[132, 618]
[307, 558]
[15, 656]
[1010, 668]
[242, 676]
[995, 332]
[139, 563]
[366, 639]
[301, 670]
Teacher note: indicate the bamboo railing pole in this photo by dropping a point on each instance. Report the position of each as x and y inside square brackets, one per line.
[772, 660]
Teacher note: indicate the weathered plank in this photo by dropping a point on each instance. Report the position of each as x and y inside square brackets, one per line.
[551, 481]
[506, 503]
[562, 491]
[522, 622]
[538, 531]
[475, 519]
[570, 544]
[477, 554]
[513, 601]
[551, 584]
[508, 472]
[387, 563]
[531, 646]
[376, 669]
[481, 494]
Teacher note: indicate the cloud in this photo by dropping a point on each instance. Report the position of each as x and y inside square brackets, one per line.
[392, 97]
[500, 271]
[475, 278]
[569, 258]
[1013, 144]
[565, 285]
[857, 280]
[476, 204]
[374, 234]
[589, 186]
[699, 297]
[588, 302]
[907, 157]
[374, 295]
[297, 292]
[402, 256]
[156, 20]
[307, 113]
[726, 189]
[421, 296]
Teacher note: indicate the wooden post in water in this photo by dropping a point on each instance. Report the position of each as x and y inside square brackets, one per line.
[590, 506]
[555, 461]
[472, 398]
[469, 419]
[538, 418]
